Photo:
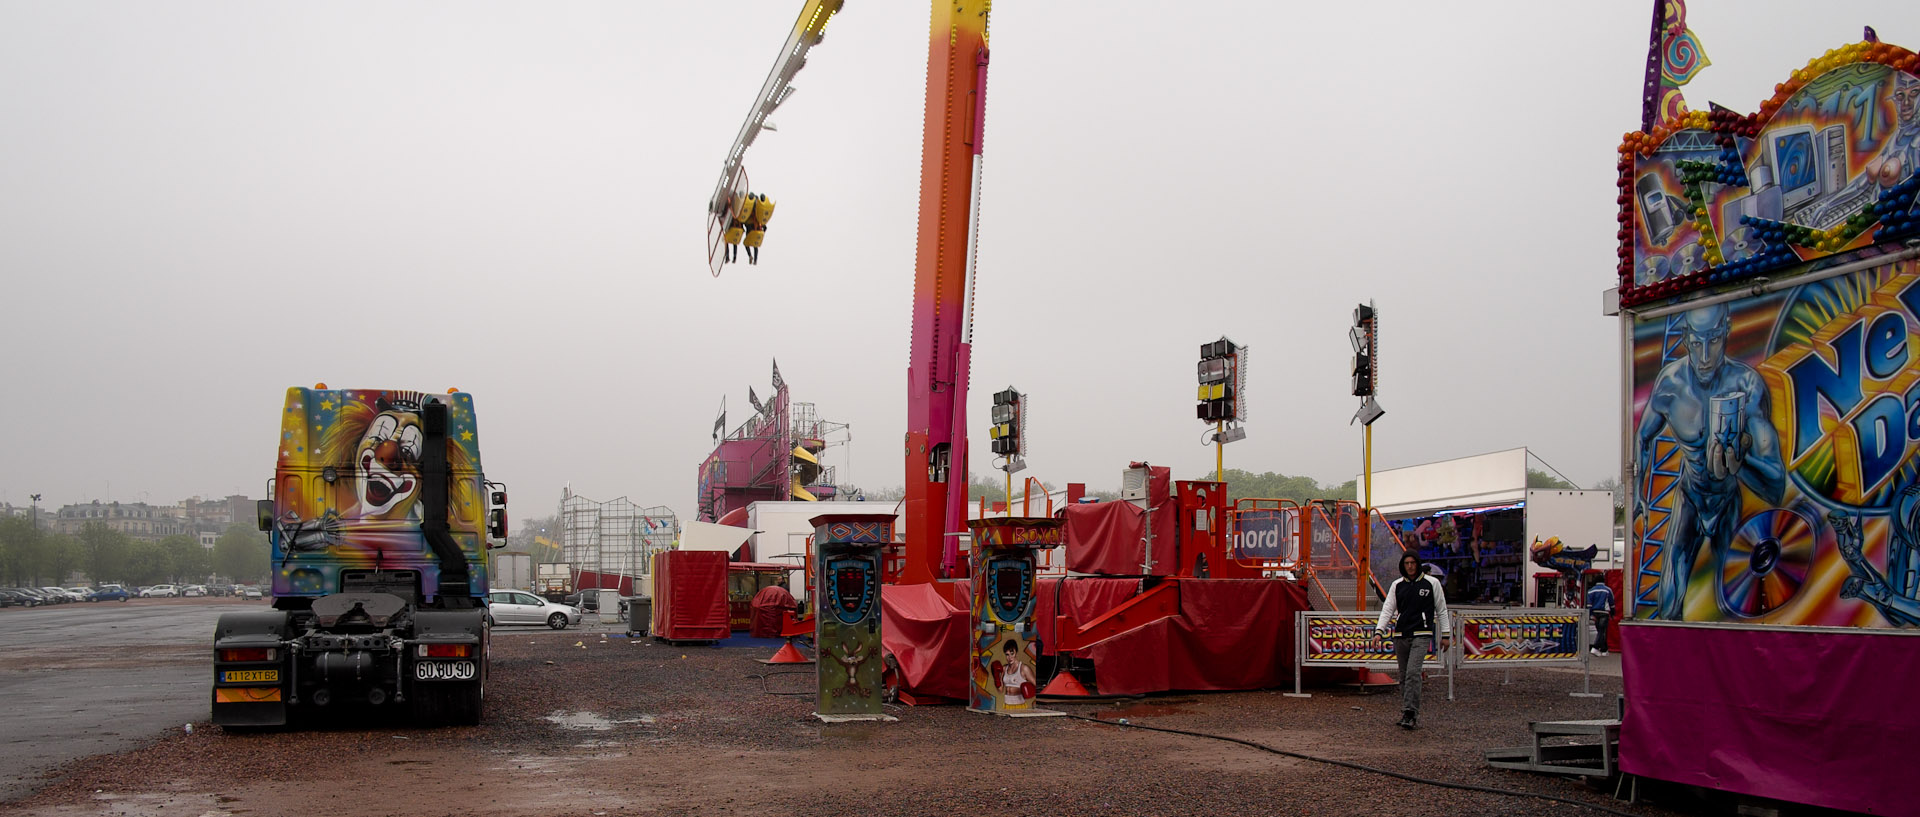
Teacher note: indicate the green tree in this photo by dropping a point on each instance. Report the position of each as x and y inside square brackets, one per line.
[25, 551]
[1542, 479]
[241, 554]
[188, 561]
[1619, 497]
[103, 552]
[63, 556]
[1271, 485]
[145, 563]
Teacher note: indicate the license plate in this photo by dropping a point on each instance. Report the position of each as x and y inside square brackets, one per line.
[248, 676]
[443, 671]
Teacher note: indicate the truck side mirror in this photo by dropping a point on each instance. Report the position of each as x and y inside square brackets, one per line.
[498, 525]
[263, 511]
[500, 498]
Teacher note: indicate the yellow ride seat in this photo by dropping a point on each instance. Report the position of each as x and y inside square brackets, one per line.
[743, 209]
[735, 232]
[756, 236]
[762, 211]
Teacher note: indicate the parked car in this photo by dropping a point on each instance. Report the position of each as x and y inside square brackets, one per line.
[8, 599]
[251, 593]
[80, 593]
[194, 591]
[29, 596]
[160, 591]
[110, 592]
[522, 607]
[58, 594]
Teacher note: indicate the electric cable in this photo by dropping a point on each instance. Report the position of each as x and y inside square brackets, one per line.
[1359, 766]
[764, 676]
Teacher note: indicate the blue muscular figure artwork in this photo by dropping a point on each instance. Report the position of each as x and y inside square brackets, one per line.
[1718, 411]
[1897, 594]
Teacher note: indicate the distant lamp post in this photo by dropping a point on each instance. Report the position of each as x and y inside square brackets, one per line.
[36, 511]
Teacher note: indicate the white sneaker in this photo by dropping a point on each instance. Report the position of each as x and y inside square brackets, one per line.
[1595, 651]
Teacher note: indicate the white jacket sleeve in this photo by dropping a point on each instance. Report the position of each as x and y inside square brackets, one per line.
[1387, 608]
[1441, 618]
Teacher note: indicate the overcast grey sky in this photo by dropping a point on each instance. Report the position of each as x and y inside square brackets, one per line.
[204, 203]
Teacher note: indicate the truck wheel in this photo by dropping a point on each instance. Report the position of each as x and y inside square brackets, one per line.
[557, 621]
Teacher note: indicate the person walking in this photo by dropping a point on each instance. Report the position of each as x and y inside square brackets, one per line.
[1600, 605]
[1422, 615]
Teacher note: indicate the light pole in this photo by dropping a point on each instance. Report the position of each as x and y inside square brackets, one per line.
[35, 500]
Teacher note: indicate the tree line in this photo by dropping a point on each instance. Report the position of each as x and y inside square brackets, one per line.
[32, 557]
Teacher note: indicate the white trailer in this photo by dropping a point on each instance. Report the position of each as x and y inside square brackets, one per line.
[511, 571]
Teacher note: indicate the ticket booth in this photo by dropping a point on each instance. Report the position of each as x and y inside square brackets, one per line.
[1003, 675]
[846, 635]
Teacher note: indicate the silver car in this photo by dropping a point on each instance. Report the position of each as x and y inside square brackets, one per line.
[522, 607]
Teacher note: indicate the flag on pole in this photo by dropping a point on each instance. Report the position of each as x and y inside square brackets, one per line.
[720, 422]
[778, 383]
[755, 400]
[1674, 58]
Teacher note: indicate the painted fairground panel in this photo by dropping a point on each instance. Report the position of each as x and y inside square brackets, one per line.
[1825, 168]
[347, 489]
[847, 588]
[1533, 636]
[1776, 437]
[1342, 640]
[1005, 667]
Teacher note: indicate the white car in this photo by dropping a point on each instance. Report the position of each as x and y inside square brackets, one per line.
[79, 593]
[522, 607]
[194, 591]
[160, 591]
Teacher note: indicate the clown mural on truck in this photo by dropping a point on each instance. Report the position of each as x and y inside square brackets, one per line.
[1775, 430]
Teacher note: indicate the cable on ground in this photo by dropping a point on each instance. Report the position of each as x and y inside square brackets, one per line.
[1359, 766]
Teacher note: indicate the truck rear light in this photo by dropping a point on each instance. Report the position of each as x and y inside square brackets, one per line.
[249, 654]
[446, 650]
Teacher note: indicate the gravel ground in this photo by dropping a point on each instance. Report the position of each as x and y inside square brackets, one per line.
[614, 726]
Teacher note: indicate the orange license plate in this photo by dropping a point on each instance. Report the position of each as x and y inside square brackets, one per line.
[245, 695]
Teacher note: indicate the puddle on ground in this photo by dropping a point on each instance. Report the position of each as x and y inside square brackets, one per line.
[593, 722]
[1146, 709]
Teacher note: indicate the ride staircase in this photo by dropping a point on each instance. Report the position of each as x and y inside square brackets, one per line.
[1332, 572]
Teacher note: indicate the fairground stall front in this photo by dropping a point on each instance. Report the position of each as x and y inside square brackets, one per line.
[1473, 520]
[1768, 302]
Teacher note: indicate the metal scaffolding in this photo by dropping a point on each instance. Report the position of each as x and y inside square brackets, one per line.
[614, 537]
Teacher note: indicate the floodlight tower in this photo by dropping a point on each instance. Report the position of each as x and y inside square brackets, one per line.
[1009, 435]
[1365, 336]
[1223, 396]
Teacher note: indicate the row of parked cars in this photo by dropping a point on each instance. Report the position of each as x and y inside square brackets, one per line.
[42, 596]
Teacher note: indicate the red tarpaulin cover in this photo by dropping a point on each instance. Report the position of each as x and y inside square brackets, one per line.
[771, 608]
[1104, 537]
[690, 595]
[1229, 634]
[928, 637]
[1806, 716]
[1083, 598]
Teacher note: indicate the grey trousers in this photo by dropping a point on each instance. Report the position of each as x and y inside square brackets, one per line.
[1411, 651]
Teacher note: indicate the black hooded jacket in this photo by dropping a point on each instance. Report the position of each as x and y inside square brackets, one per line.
[1421, 605]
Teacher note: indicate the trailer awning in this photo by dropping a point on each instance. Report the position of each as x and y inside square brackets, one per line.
[709, 536]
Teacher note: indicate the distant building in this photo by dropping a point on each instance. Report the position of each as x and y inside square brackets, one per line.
[216, 514]
[137, 520]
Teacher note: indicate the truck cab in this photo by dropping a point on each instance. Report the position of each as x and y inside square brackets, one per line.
[379, 525]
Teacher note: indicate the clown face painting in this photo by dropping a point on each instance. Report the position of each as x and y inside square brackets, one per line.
[349, 485]
[387, 464]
